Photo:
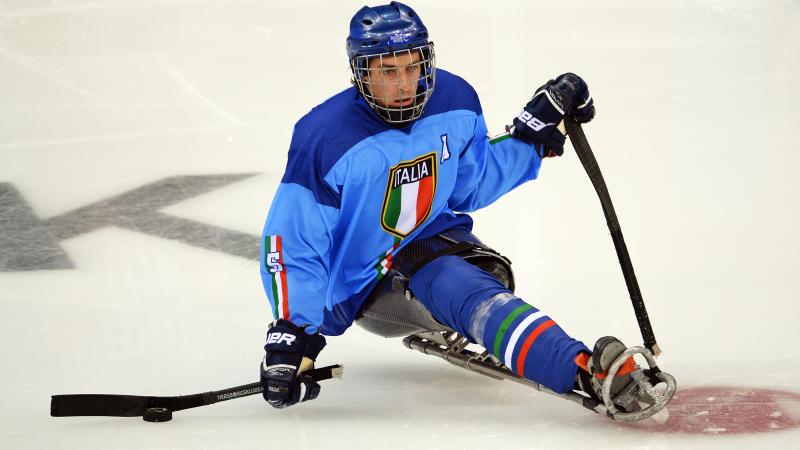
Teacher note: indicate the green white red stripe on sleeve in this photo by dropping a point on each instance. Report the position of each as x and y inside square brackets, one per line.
[273, 251]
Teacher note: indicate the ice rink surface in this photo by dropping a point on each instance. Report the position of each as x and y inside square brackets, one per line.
[141, 143]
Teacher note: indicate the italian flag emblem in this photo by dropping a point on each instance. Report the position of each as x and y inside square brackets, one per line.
[409, 195]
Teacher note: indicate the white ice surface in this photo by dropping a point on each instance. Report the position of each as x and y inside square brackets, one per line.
[696, 134]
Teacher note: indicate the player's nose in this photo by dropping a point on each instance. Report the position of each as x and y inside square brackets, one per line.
[406, 82]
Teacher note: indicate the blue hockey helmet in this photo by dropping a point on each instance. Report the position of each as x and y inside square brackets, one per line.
[385, 28]
[385, 33]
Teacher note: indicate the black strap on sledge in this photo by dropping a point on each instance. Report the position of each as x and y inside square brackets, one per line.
[455, 249]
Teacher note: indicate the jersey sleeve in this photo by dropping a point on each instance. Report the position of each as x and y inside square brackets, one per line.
[296, 241]
[490, 168]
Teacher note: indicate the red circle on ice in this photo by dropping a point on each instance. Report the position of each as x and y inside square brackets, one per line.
[720, 410]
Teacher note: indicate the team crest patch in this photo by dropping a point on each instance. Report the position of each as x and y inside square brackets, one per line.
[409, 195]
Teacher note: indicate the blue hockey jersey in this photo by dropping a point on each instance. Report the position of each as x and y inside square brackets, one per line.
[356, 190]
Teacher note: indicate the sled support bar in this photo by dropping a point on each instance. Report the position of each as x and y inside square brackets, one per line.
[479, 363]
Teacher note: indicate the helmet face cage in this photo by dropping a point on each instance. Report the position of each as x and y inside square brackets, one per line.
[386, 77]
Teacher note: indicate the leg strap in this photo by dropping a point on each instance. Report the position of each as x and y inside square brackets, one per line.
[454, 242]
[455, 250]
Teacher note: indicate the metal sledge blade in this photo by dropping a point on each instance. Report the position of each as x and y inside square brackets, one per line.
[448, 346]
[643, 399]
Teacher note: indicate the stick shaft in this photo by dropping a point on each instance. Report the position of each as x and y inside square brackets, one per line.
[584, 151]
[134, 405]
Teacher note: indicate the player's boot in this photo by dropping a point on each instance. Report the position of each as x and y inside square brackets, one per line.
[594, 371]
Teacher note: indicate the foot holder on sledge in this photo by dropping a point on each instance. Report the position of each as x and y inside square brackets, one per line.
[451, 347]
[642, 392]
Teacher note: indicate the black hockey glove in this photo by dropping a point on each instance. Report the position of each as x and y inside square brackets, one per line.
[567, 95]
[281, 374]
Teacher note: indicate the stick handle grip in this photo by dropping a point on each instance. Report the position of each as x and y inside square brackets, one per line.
[320, 374]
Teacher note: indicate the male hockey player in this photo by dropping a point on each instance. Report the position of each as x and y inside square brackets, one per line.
[377, 186]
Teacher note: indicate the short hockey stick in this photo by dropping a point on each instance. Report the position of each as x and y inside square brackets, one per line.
[138, 405]
[581, 145]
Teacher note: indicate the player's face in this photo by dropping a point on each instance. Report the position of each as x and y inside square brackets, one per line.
[393, 79]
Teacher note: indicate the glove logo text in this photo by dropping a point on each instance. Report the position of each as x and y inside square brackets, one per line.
[276, 338]
[532, 122]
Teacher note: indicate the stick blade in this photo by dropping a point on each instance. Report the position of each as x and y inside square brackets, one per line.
[97, 405]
